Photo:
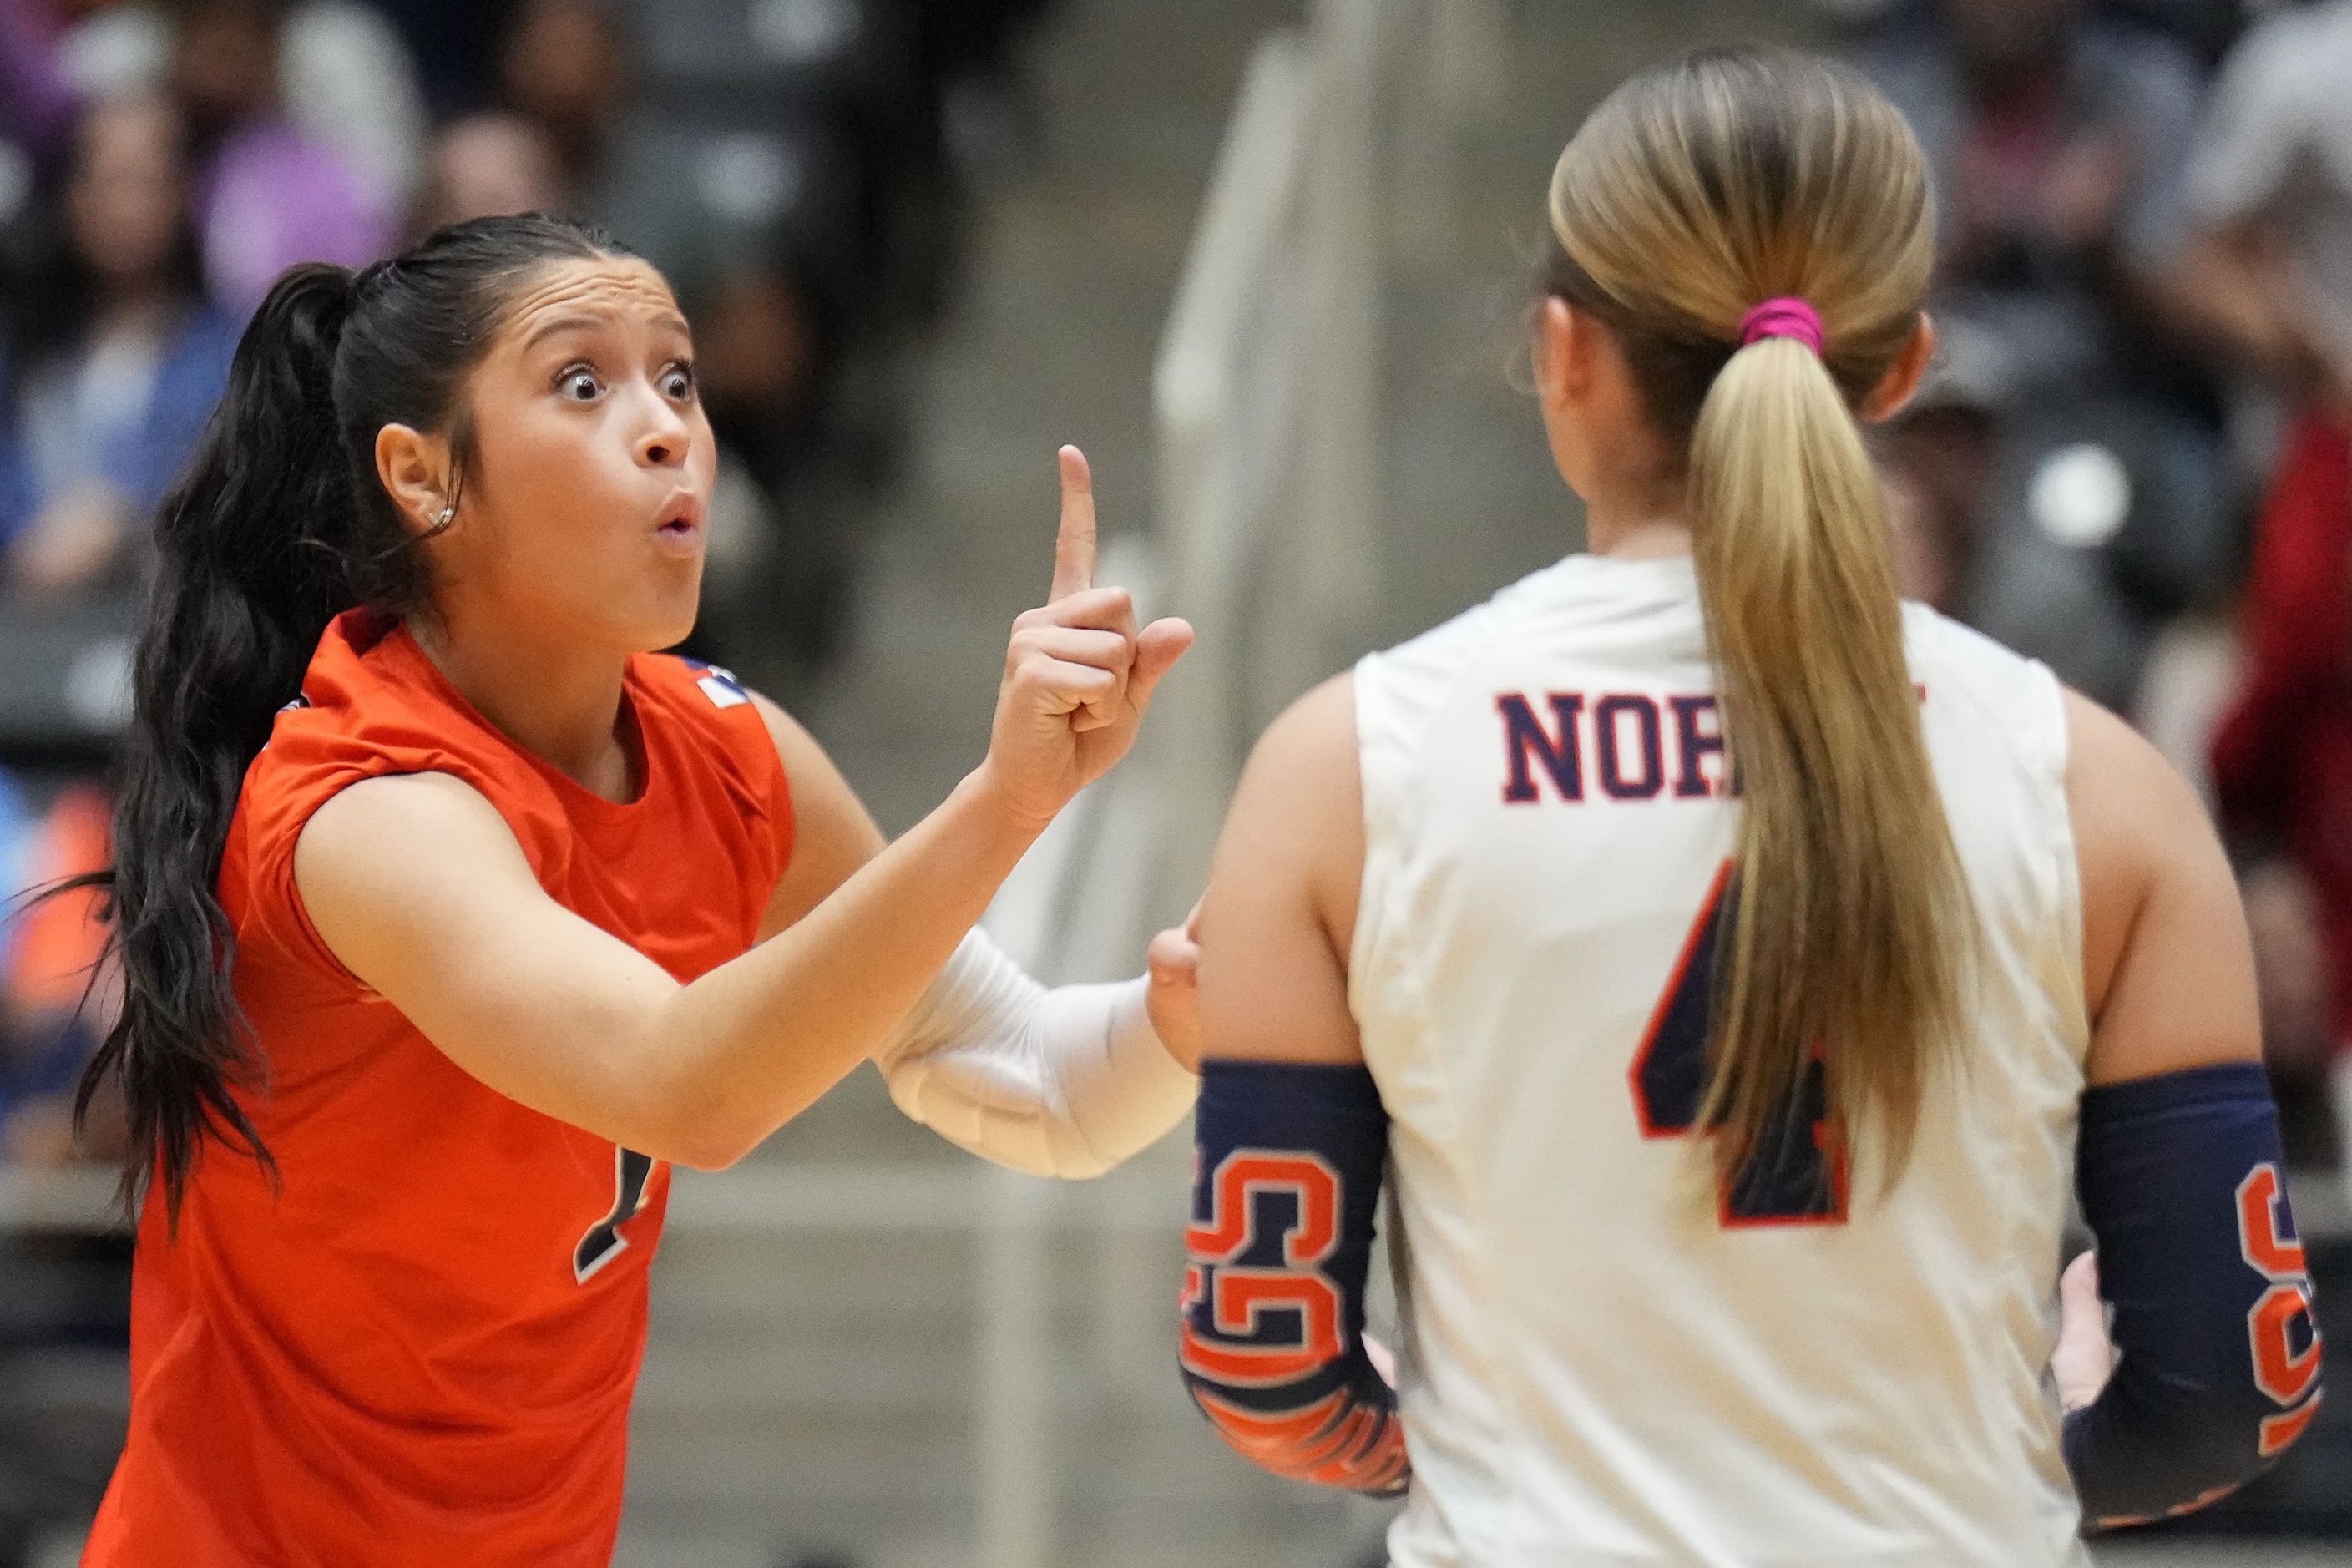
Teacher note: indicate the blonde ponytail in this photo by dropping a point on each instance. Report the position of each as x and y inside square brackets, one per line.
[1852, 907]
[1696, 193]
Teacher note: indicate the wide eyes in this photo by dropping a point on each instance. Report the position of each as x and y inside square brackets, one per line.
[579, 384]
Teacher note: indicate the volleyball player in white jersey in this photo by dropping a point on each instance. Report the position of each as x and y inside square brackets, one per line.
[1731, 968]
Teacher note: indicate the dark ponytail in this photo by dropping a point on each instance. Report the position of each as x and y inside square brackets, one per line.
[278, 525]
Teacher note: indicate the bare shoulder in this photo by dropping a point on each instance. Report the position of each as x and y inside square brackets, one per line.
[398, 876]
[794, 742]
[2168, 968]
[400, 830]
[1278, 919]
[396, 813]
[1315, 738]
[1304, 773]
[2132, 812]
[833, 836]
[810, 769]
[1299, 812]
[2116, 776]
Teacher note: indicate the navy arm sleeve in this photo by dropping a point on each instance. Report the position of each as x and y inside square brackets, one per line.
[1285, 1194]
[2217, 1368]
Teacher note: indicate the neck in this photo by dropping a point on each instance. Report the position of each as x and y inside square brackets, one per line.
[1637, 522]
[560, 703]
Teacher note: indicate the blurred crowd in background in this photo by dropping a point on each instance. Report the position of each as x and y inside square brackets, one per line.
[791, 165]
[2133, 457]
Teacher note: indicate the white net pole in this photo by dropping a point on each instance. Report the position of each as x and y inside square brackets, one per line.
[1222, 415]
[1334, 569]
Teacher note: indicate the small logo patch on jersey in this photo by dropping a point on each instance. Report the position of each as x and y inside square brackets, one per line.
[721, 687]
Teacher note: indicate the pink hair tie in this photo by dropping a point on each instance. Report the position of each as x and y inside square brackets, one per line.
[1786, 317]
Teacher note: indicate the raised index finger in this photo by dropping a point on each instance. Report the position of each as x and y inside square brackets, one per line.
[1073, 547]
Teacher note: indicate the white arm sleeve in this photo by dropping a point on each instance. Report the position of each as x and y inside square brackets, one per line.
[1066, 1082]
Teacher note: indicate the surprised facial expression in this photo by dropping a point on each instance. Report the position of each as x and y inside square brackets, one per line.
[584, 511]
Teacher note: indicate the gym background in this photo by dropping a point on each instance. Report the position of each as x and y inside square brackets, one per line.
[1268, 262]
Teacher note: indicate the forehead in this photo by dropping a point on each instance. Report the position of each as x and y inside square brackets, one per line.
[619, 290]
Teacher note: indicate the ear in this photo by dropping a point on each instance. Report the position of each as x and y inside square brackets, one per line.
[415, 470]
[1902, 378]
[1563, 352]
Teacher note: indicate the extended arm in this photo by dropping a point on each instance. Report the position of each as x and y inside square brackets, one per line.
[416, 886]
[2246, 299]
[1063, 1082]
[1292, 1134]
[2178, 1166]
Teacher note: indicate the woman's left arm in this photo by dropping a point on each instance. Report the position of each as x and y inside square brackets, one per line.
[1063, 1082]
[1292, 1134]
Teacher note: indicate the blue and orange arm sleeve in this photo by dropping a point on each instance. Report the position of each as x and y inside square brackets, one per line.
[1286, 1194]
[2182, 1183]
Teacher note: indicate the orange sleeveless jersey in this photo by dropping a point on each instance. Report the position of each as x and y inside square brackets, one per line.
[420, 1352]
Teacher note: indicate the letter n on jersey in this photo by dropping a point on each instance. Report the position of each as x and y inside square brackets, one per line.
[1627, 731]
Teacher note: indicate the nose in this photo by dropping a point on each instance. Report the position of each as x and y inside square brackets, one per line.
[665, 439]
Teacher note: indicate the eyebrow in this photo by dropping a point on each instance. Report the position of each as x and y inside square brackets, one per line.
[591, 324]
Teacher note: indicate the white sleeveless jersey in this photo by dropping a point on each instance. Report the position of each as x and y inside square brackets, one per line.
[1605, 1360]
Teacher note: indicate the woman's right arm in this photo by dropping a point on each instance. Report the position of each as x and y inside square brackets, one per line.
[417, 886]
[2178, 1166]
[1064, 1081]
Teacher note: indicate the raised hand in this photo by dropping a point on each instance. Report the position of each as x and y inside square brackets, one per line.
[1077, 673]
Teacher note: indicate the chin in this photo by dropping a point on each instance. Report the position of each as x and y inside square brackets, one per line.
[666, 633]
[659, 627]
[669, 620]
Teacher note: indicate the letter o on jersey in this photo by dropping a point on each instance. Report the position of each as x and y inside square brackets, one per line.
[1610, 734]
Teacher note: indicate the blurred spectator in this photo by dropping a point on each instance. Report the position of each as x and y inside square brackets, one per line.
[118, 357]
[1939, 460]
[485, 165]
[2269, 277]
[64, 1295]
[561, 70]
[454, 46]
[2270, 280]
[34, 98]
[345, 77]
[2293, 975]
[745, 202]
[739, 199]
[2056, 139]
[270, 195]
[2283, 758]
[54, 1015]
[2206, 28]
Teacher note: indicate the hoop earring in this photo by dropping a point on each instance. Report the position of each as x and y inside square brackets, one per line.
[448, 515]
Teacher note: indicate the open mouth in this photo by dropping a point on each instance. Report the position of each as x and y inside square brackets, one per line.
[676, 528]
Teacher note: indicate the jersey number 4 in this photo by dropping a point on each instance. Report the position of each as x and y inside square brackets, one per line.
[1798, 1176]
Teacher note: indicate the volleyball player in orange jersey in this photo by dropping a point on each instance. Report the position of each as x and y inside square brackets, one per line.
[450, 916]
